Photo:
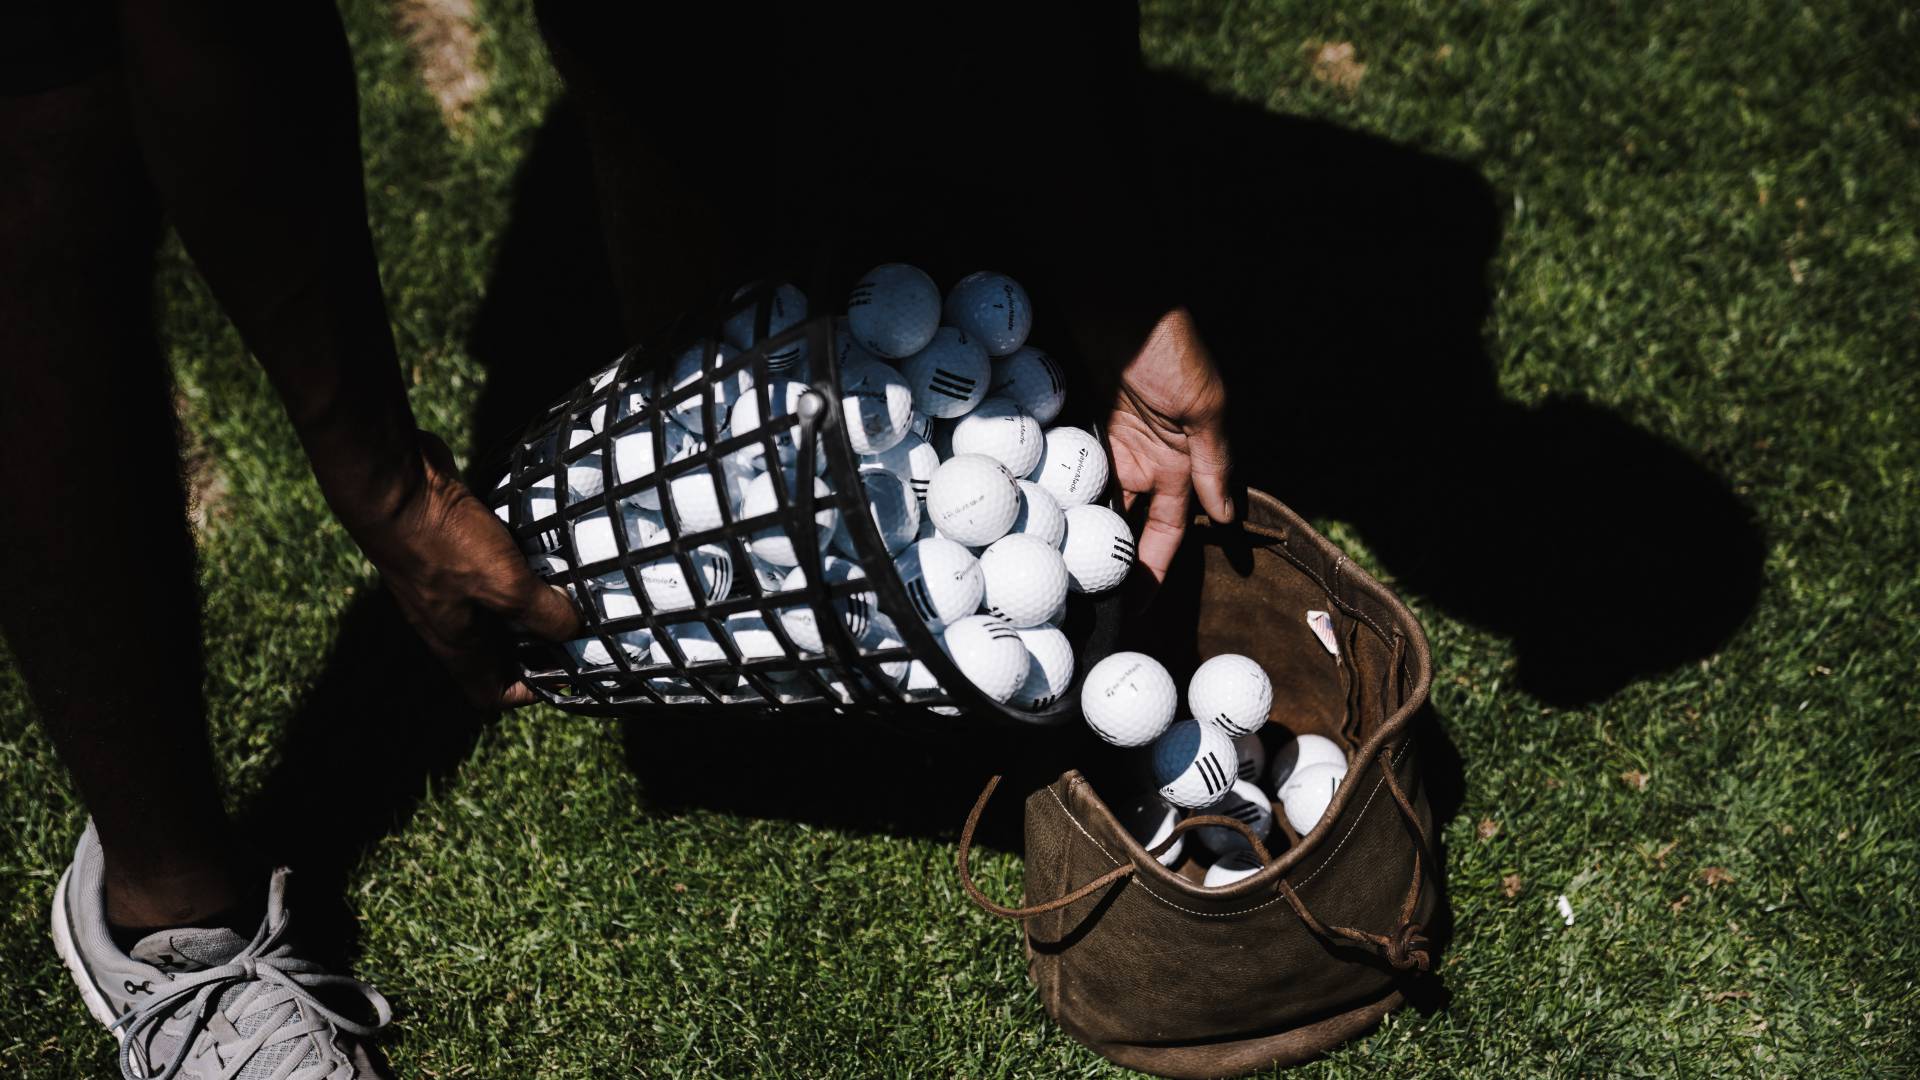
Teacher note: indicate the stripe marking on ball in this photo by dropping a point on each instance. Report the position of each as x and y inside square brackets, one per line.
[1211, 772]
[1123, 550]
[958, 387]
[1226, 724]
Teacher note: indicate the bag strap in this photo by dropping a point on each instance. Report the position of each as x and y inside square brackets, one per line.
[1407, 947]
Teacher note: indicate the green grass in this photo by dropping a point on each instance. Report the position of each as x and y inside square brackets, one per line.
[1713, 207]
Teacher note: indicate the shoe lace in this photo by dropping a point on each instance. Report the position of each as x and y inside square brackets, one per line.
[264, 977]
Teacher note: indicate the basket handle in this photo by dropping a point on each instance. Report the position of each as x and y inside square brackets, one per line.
[1407, 948]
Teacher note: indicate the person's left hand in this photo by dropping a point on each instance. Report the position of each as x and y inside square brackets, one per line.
[1168, 435]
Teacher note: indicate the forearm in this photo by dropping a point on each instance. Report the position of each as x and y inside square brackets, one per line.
[246, 116]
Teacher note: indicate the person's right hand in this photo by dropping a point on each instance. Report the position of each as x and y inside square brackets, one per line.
[455, 572]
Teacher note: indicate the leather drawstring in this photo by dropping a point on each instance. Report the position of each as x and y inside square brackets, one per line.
[1407, 947]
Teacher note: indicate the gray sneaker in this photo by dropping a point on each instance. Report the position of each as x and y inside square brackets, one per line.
[205, 1004]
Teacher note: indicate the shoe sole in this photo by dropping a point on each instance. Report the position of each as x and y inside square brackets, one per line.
[63, 944]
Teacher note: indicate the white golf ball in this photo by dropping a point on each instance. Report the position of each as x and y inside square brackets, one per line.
[1033, 380]
[877, 406]
[973, 499]
[1049, 668]
[1026, 580]
[1128, 699]
[1149, 820]
[668, 588]
[1098, 549]
[635, 458]
[690, 400]
[592, 652]
[1232, 867]
[854, 609]
[895, 513]
[1231, 692]
[913, 459]
[772, 543]
[1073, 467]
[585, 476]
[772, 578]
[695, 641]
[614, 596]
[943, 580]
[1246, 803]
[1305, 752]
[696, 499]
[894, 310]
[1308, 792]
[1040, 515]
[992, 307]
[949, 376]
[786, 309]
[783, 399]
[752, 636]
[989, 653]
[1193, 764]
[883, 635]
[593, 539]
[1252, 755]
[1004, 432]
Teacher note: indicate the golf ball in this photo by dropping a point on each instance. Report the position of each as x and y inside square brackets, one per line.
[1150, 821]
[783, 397]
[949, 376]
[1098, 549]
[989, 653]
[1232, 867]
[993, 308]
[1307, 773]
[943, 580]
[1004, 432]
[973, 499]
[635, 455]
[1040, 515]
[1128, 699]
[1305, 752]
[1193, 764]
[786, 308]
[1231, 692]
[877, 406]
[895, 513]
[1033, 380]
[695, 641]
[913, 459]
[855, 610]
[772, 543]
[1246, 803]
[668, 587]
[1049, 668]
[894, 310]
[1252, 754]
[1026, 580]
[1073, 467]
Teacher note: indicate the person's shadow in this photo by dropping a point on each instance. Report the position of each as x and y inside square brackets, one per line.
[1341, 281]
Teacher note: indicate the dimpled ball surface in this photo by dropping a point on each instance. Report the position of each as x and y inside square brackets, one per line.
[1073, 467]
[1308, 792]
[666, 585]
[855, 610]
[973, 499]
[1246, 803]
[1033, 379]
[783, 396]
[877, 406]
[1231, 692]
[1193, 764]
[1003, 431]
[943, 580]
[1305, 752]
[1128, 699]
[949, 376]
[695, 640]
[772, 544]
[787, 308]
[993, 308]
[913, 459]
[1026, 580]
[894, 310]
[1049, 668]
[1040, 515]
[1098, 549]
[989, 653]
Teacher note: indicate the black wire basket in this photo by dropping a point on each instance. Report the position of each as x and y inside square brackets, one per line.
[684, 618]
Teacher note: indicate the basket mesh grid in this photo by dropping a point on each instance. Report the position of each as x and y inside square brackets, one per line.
[665, 612]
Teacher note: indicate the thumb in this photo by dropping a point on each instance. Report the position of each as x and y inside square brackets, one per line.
[1212, 467]
[546, 611]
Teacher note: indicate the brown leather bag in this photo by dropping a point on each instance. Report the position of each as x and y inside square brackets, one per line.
[1153, 971]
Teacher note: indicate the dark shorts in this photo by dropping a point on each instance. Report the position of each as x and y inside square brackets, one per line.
[46, 44]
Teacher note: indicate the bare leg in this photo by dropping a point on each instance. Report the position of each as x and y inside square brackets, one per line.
[97, 593]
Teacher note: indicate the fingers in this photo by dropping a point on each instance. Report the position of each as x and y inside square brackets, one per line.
[1165, 526]
[518, 695]
[1212, 466]
[549, 613]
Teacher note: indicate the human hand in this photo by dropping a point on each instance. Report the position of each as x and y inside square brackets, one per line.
[1168, 436]
[454, 570]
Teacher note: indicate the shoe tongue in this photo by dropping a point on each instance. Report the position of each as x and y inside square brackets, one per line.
[188, 949]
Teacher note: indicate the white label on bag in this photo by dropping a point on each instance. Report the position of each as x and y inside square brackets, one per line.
[1322, 626]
